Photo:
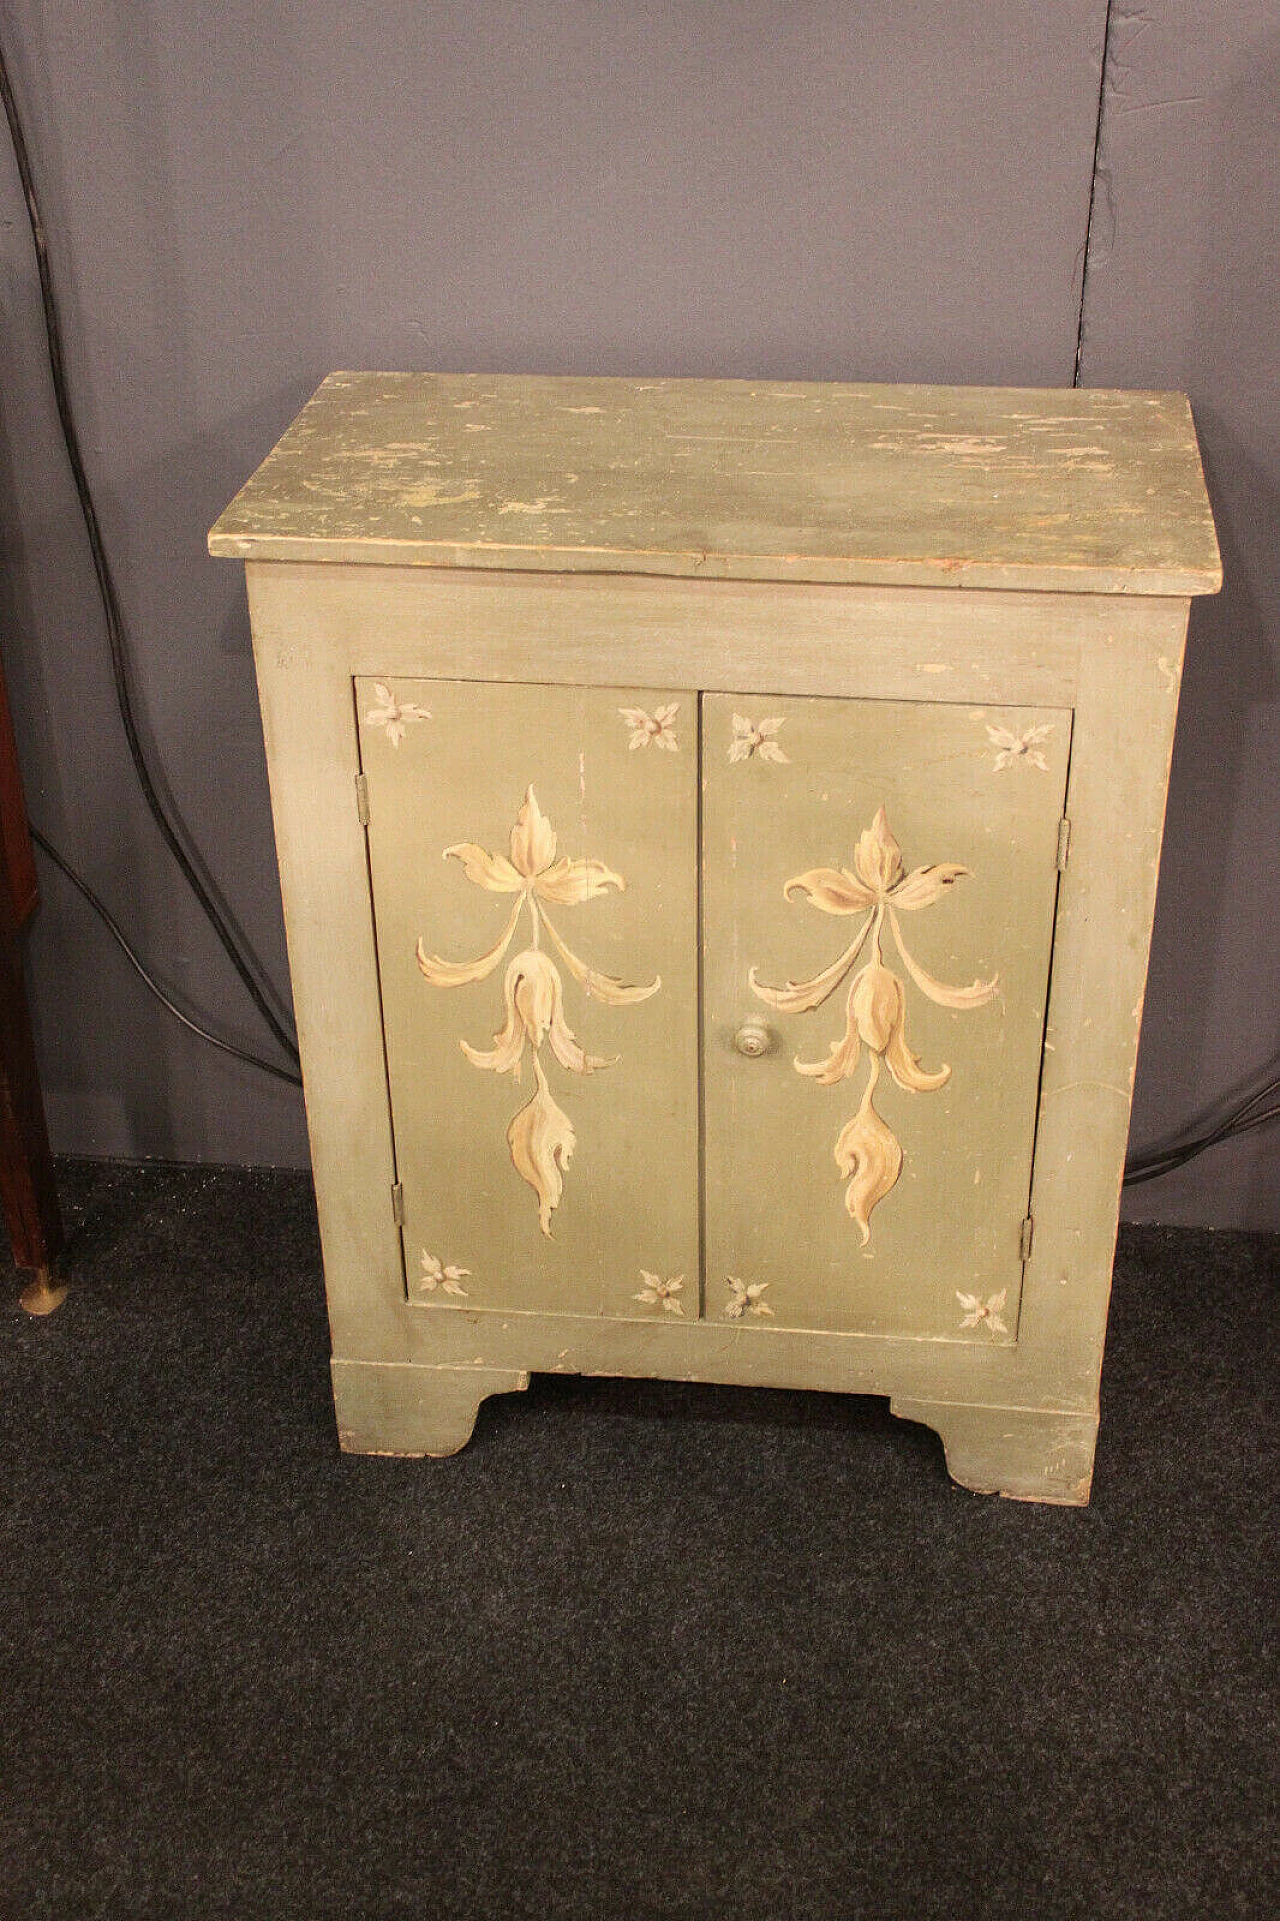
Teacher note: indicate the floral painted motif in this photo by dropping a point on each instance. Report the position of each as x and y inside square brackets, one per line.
[867, 1152]
[658, 727]
[660, 1293]
[392, 713]
[436, 1275]
[540, 1136]
[756, 737]
[744, 1298]
[1023, 746]
[978, 1313]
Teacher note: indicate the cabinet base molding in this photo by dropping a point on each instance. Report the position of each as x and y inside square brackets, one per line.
[1024, 1453]
[388, 1407]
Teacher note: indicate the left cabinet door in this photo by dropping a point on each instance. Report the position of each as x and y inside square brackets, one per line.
[533, 865]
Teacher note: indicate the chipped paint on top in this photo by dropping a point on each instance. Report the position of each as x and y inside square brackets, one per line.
[1067, 490]
[431, 493]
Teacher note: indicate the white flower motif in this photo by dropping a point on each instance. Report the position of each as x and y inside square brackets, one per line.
[656, 1292]
[658, 727]
[744, 1298]
[978, 1313]
[756, 737]
[392, 713]
[1024, 746]
[435, 1274]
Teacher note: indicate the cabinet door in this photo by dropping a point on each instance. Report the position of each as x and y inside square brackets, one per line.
[533, 859]
[879, 885]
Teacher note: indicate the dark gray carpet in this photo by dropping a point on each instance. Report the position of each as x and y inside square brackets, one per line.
[640, 1651]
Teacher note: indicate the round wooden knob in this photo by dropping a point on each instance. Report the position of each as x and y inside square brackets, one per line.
[753, 1038]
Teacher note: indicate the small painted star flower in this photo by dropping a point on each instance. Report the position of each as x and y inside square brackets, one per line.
[744, 1298]
[756, 737]
[978, 1313]
[392, 713]
[1024, 746]
[435, 1274]
[658, 727]
[656, 1292]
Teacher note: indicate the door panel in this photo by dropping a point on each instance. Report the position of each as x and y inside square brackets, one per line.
[534, 872]
[879, 884]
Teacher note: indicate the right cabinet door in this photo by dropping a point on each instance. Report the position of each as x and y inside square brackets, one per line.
[879, 882]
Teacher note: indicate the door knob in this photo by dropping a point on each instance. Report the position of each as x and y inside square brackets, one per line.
[753, 1038]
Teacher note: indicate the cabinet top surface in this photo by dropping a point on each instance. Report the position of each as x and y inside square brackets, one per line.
[1063, 490]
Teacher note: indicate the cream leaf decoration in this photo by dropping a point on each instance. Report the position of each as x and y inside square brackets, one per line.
[926, 885]
[436, 1275]
[541, 1136]
[801, 997]
[876, 1012]
[542, 1140]
[493, 872]
[393, 714]
[980, 1313]
[569, 882]
[534, 997]
[867, 1152]
[600, 987]
[443, 973]
[533, 840]
[974, 996]
[1024, 746]
[758, 739]
[878, 857]
[657, 728]
[869, 1156]
[745, 1298]
[659, 1293]
[833, 890]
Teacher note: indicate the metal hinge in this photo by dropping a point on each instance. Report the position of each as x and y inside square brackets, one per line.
[362, 798]
[1028, 1236]
[397, 1204]
[1064, 843]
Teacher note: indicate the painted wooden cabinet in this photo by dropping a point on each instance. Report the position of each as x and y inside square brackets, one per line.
[718, 828]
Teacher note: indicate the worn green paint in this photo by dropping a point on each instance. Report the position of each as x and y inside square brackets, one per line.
[775, 1200]
[973, 566]
[630, 1195]
[1096, 491]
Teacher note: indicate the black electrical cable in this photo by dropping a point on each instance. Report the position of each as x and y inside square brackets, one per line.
[104, 913]
[1151, 1165]
[1147, 1167]
[240, 956]
[1104, 67]
[1243, 1119]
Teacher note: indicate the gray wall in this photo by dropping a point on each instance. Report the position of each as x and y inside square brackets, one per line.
[1184, 291]
[243, 196]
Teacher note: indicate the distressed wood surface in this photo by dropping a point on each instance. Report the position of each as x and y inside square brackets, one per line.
[940, 1172]
[1016, 1414]
[541, 1022]
[609, 630]
[1115, 663]
[1089, 491]
[1026, 1454]
[413, 1410]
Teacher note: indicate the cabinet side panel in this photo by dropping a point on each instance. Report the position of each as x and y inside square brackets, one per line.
[1125, 714]
[309, 730]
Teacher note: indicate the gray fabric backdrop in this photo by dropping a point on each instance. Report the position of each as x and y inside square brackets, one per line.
[243, 196]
